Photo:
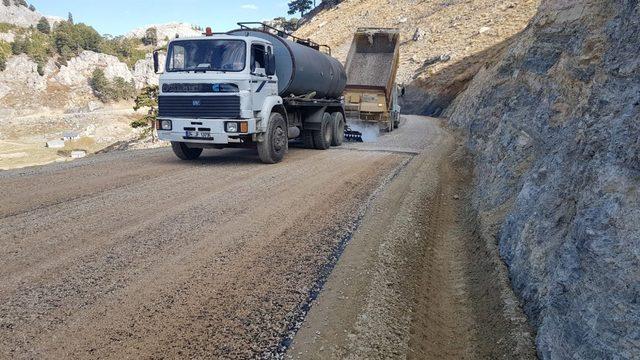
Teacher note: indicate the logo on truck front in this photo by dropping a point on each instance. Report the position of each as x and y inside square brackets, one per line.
[196, 102]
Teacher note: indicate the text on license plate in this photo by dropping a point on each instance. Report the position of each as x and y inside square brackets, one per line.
[199, 134]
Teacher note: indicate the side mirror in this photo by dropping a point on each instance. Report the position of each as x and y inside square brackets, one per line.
[156, 61]
[271, 65]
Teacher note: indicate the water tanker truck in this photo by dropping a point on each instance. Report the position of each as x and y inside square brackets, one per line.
[256, 86]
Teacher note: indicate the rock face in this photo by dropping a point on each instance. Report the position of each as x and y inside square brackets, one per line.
[21, 71]
[21, 15]
[80, 68]
[169, 30]
[555, 124]
[143, 73]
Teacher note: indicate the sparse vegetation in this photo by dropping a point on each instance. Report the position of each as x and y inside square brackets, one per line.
[111, 90]
[44, 26]
[150, 37]
[68, 40]
[289, 25]
[5, 51]
[300, 6]
[148, 98]
[34, 44]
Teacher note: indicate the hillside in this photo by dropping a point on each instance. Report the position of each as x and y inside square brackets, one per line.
[165, 32]
[443, 43]
[46, 78]
[554, 124]
[18, 13]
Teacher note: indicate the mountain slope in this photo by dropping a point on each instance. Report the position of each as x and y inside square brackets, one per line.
[21, 15]
[555, 125]
[450, 36]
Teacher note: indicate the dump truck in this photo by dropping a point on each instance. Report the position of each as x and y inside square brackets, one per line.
[371, 94]
[256, 86]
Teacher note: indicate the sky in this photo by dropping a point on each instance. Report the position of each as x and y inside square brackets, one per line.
[117, 17]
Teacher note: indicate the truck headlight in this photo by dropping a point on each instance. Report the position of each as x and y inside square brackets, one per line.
[164, 125]
[232, 127]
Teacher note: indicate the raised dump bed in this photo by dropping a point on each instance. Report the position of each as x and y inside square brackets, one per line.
[372, 66]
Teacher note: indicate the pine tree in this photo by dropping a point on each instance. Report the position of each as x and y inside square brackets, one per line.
[44, 26]
[301, 6]
[70, 18]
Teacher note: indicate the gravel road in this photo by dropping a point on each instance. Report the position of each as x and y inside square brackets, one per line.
[138, 255]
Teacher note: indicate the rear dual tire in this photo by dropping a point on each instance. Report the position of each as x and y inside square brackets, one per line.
[322, 138]
[337, 129]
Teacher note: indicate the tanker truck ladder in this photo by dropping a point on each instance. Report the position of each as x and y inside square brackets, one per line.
[285, 35]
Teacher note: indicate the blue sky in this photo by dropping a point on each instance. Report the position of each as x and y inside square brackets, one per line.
[117, 17]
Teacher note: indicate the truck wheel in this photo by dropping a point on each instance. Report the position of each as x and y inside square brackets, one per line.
[338, 129]
[322, 137]
[184, 152]
[275, 142]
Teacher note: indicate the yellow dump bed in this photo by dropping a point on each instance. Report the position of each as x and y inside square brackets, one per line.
[373, 59]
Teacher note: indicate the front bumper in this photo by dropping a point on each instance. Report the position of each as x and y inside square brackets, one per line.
[216, 127]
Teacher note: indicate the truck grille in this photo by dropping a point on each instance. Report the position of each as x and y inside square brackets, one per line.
[196, 107]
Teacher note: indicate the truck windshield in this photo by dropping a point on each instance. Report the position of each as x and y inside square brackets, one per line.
[203, 55]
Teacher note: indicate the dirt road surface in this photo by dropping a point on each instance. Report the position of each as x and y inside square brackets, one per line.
[138, 255]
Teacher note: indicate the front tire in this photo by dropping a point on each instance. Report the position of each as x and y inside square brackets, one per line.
[184, 152]
[322, 138]
[338, 129]
[276, 140]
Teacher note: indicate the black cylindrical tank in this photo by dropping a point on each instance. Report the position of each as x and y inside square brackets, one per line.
[302, 70]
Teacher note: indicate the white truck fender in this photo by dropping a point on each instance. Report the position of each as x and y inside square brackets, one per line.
[265, 113]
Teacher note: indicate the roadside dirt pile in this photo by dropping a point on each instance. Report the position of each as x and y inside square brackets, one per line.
[555, 125]
[444, 43]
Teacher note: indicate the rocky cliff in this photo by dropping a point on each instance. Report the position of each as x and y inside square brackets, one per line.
[166, 31]
[555, 125]
[21, 15]
[66, 88]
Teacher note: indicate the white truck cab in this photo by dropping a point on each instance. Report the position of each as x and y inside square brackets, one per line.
[221, 90]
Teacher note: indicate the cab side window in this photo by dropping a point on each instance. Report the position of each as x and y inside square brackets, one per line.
[258, 59]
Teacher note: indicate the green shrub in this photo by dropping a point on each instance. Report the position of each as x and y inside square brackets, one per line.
[34, 44]
[3, 62]
[106, 90]
[44, 26]
[70, 39]
[5, 27]
[138, 123]
[125, 49]
[150, 37]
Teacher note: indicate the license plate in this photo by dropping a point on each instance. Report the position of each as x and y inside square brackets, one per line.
[199, 135]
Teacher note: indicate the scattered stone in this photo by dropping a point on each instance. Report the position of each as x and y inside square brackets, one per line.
[78, 154]
[55, 144]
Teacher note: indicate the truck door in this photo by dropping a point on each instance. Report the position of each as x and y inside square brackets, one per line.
[259, 82]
